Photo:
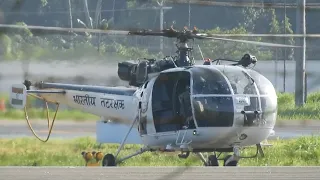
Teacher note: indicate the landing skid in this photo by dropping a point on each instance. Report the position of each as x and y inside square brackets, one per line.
[110, 160]
[229, 160]
[212, 160]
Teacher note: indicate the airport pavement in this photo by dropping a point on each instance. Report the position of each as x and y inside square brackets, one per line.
[71, 129]
[160, 173]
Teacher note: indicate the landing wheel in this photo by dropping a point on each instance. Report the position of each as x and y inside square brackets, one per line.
[109, 160]
[231, 163]
[213, 160]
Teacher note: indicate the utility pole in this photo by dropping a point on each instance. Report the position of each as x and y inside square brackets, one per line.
[97, 20]
[70, 14]
[285, 49]
[301, 54]
[71, 23]
[113, 7]
[97, 14]
[189, 19]
[87, 14]
[162, 8]
[161, 23]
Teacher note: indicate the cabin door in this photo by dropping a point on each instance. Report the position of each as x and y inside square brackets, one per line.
[171, 104]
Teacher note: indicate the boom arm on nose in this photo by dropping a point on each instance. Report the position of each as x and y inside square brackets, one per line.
[257, 115]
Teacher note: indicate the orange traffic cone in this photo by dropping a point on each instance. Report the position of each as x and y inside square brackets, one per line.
[2, 105]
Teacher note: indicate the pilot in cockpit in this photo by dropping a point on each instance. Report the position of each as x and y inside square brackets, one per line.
[185, 107]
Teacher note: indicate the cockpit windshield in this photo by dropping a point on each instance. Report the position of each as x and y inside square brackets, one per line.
[241, 82]
[211, 109]
[265, 87]
[215, 105]
[209, 81]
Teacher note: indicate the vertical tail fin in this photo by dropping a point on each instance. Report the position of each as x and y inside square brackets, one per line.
[18, 96]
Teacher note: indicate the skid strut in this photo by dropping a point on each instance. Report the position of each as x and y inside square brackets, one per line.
[50, 126]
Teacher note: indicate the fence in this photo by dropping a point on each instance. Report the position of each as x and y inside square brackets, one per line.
[90, 60]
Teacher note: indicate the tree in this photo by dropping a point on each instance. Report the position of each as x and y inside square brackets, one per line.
[284, 27]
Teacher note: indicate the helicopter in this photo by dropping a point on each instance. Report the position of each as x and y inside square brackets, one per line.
[172, 104]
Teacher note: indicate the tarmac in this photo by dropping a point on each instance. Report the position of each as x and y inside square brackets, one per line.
[159, 173]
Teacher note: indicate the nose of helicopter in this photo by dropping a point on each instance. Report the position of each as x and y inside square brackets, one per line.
[233, 118]
[211, 111]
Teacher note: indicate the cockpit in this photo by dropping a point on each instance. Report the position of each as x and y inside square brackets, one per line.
[211, 98]
[217, 96]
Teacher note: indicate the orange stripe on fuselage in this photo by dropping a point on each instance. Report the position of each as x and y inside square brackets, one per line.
[17, 90]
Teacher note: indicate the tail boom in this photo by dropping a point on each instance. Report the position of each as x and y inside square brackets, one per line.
[114, 103]
[118, 108]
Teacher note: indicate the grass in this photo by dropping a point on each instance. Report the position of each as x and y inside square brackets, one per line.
[304, 151]
[286, 110]
[14, 114]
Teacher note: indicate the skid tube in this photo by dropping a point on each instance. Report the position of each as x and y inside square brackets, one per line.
[50, 125]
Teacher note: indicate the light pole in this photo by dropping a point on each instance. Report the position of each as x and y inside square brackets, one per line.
[300, 59]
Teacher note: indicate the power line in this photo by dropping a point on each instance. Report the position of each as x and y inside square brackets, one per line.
[246, 4]
[81, 11]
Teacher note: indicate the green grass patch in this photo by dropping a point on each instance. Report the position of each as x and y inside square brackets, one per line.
[304, 151]
[286, 110]
[75, 115]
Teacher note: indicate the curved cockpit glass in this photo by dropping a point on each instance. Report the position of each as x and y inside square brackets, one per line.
[224, 96]
[209, 81]
[265, 87]
[221, 96]
[240, 81]
[211, 98]
[268, 98]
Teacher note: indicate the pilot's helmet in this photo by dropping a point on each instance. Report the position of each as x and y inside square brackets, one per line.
[207, 61]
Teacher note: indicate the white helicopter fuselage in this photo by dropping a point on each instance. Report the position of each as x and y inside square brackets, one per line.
[119, 108]
[219, 118]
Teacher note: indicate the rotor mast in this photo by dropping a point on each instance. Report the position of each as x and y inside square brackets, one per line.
[183, 37]
[183, 55]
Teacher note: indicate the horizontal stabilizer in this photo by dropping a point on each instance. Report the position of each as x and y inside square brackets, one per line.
[19, 93]
[18, 96]
[114, 133]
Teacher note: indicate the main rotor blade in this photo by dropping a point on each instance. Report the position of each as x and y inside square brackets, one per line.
[265, 35]
[114, 32]
[120, 32]
[254, 42]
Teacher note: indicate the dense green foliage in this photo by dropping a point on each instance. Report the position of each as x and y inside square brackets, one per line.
[34, 45]
[31, 152]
